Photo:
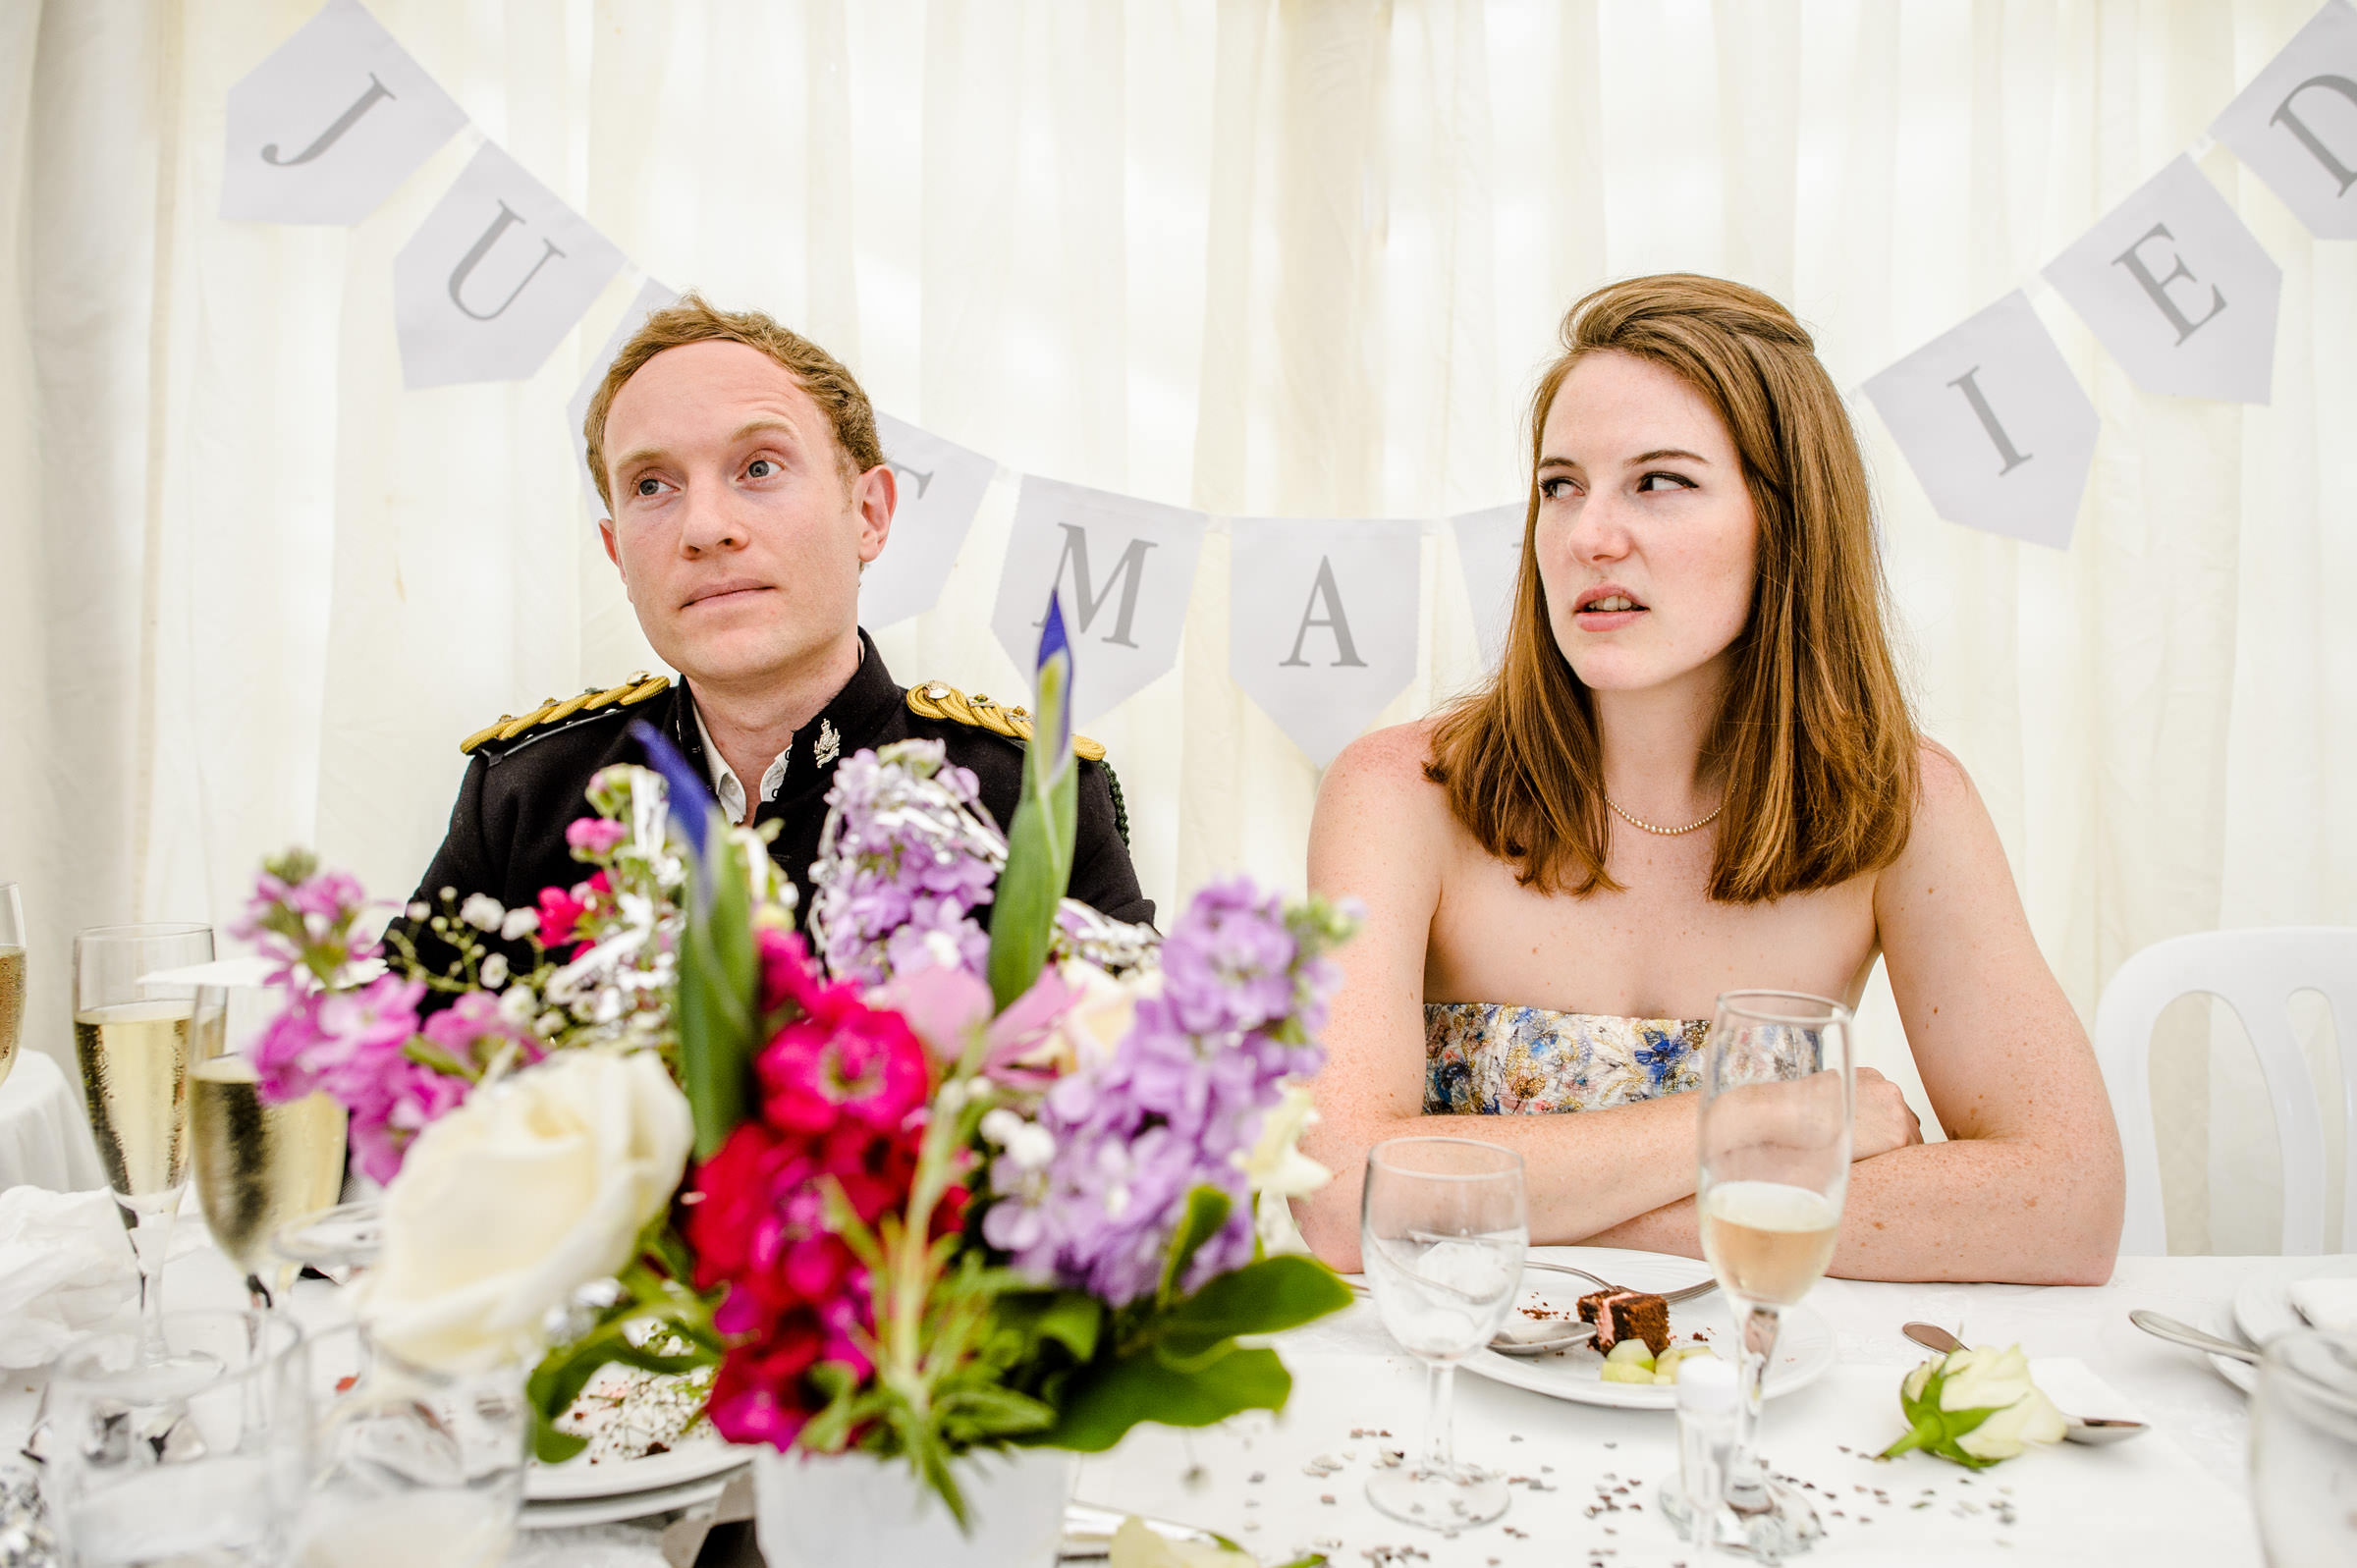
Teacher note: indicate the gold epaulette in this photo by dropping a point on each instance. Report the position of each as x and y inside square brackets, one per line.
[637, 688]
[933, 699]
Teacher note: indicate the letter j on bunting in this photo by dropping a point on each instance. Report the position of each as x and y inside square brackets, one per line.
[1322, 623]
[1994, 424]
[1121, 569]
[496, 275]
[2296, 124]
[324, 129]
[2180, 293]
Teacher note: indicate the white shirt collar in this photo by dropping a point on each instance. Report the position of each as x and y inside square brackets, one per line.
[726, 783]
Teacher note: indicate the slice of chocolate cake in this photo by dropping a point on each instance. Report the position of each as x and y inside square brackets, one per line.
[1628, 1315]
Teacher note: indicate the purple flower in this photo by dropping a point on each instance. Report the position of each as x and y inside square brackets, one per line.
[902, 868]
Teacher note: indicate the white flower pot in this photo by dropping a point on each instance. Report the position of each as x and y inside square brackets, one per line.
[831, 1510]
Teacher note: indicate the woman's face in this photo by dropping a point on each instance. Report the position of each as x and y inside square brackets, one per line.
[1646, 536]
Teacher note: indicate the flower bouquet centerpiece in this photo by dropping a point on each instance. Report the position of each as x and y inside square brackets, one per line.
[961, 1202]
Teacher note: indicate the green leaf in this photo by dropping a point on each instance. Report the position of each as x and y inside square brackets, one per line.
[1206, 1212]
[1102, 1403]
[987, 1410]
[717, 973]
[1071, 1319]
[1039, 867]
[1260, 1298]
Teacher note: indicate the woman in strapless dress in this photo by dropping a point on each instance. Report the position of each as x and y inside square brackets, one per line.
[1695, 771]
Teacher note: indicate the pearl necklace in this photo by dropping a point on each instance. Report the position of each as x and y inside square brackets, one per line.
[1665, 833]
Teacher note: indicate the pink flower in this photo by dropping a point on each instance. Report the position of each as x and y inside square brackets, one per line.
[561, 911]
[787, 974]
[594, 836]
[843, 1060]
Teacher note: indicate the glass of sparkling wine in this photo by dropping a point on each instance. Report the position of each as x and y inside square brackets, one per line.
[131, 1037]
[1775, 1117]
[12, 976]
[1442, 1230]
[260, 1164]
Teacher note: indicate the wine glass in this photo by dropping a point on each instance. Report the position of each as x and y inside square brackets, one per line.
[12, 976]
[1443, 1229]
[2304, 1449]
[193, 1456]
[131, 1035]
[1775, 1136]
[260, 1164]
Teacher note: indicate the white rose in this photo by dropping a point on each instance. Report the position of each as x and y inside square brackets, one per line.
[2030, 1419]
[1135, 1545]
[1101, 1018]
[1984, 1378]
[535, 1187]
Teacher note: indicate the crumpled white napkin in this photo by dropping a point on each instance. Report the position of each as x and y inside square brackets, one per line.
[65, 1267]
[2328, 1303]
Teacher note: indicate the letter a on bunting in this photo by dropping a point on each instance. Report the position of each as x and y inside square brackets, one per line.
[2296, 123]
[2180, 293]
[1993, 424]
[323, 129]
[499, 272]
[1125, 568]
[1322, 623]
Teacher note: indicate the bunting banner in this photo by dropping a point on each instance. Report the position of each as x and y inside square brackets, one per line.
[1994, 424]
[2295, 126]
[1488, 547]
[941, 486]
[1323, 621]
[651, 297]
[324, 129]
[494, 278]
[1125, 568]
[2177, 289]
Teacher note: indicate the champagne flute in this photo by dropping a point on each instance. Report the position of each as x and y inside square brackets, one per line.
[260, 1164]
[1775, 1140]
[1443, 1229]
[131, 1035]
[12, 976]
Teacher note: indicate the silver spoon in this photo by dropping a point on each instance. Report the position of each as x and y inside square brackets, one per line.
[2093, 1430]
[2163, 1326]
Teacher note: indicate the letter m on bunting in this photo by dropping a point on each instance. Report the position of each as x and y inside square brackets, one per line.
[1125, 569]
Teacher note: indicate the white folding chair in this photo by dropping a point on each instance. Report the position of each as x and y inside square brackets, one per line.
[2255, 972]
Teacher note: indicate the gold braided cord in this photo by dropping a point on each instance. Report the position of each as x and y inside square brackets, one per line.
[637, 690]
[935, 699]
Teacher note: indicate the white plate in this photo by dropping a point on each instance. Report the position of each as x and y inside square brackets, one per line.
[2241, 1373]
[613, 1510]
[578, 1478]
[2263, 1309]
[1804, 1350]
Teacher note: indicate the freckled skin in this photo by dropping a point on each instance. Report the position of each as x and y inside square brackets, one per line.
[2004, 1059]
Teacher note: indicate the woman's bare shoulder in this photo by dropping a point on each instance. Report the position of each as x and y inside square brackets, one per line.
[1375, 799]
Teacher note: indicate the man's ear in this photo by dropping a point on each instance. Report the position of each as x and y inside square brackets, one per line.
[875, 495]
[605, 531]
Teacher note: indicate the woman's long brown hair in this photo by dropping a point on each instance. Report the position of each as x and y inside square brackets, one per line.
[1813, 743]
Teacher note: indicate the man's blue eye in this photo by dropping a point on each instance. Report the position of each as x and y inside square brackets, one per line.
[760, 467]
[646, 487]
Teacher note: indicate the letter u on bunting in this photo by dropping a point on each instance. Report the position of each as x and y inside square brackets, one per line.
[2180, 293]
[324, 129]
[941, 486]
[1322, 623]
[2296, 124]
[1125, 568]
[1993, 424]
[498, 272]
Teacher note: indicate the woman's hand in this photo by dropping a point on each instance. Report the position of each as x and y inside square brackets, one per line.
[1881, 1119]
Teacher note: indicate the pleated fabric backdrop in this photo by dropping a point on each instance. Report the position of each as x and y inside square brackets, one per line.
[1250, 257]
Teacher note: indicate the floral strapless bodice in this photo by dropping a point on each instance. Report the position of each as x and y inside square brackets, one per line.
[1486, 1059]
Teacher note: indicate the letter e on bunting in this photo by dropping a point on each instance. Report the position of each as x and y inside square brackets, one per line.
[324, 129]
[651, 297]
[1488, 547]
[1125, 568]
[2296, 124]
[941, 486]
[2180, 293]
[499, 272]
[1322, 623]
[1994, 424]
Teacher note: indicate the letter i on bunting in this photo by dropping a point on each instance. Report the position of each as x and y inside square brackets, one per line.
[1994, 424]
[499, 272]
[324, 129]
[2296, 124]
[1322, 623]
[1489, 548]
[1123, 568]
[2177, 289]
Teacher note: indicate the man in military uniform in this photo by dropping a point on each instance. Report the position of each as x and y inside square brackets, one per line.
[745, 490]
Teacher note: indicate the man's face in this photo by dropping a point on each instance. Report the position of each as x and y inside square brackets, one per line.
[738, 539]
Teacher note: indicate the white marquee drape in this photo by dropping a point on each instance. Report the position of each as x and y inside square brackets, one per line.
[1252, 258]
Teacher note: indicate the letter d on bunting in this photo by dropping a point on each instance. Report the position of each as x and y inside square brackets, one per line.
[1993, 424]
[1322, 623]
[324, 129]
[2296, 123]
[499, 272]
[1125, 569]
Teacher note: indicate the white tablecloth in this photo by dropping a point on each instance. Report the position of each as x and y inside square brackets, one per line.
[2175, 1497]
[43, 1140]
